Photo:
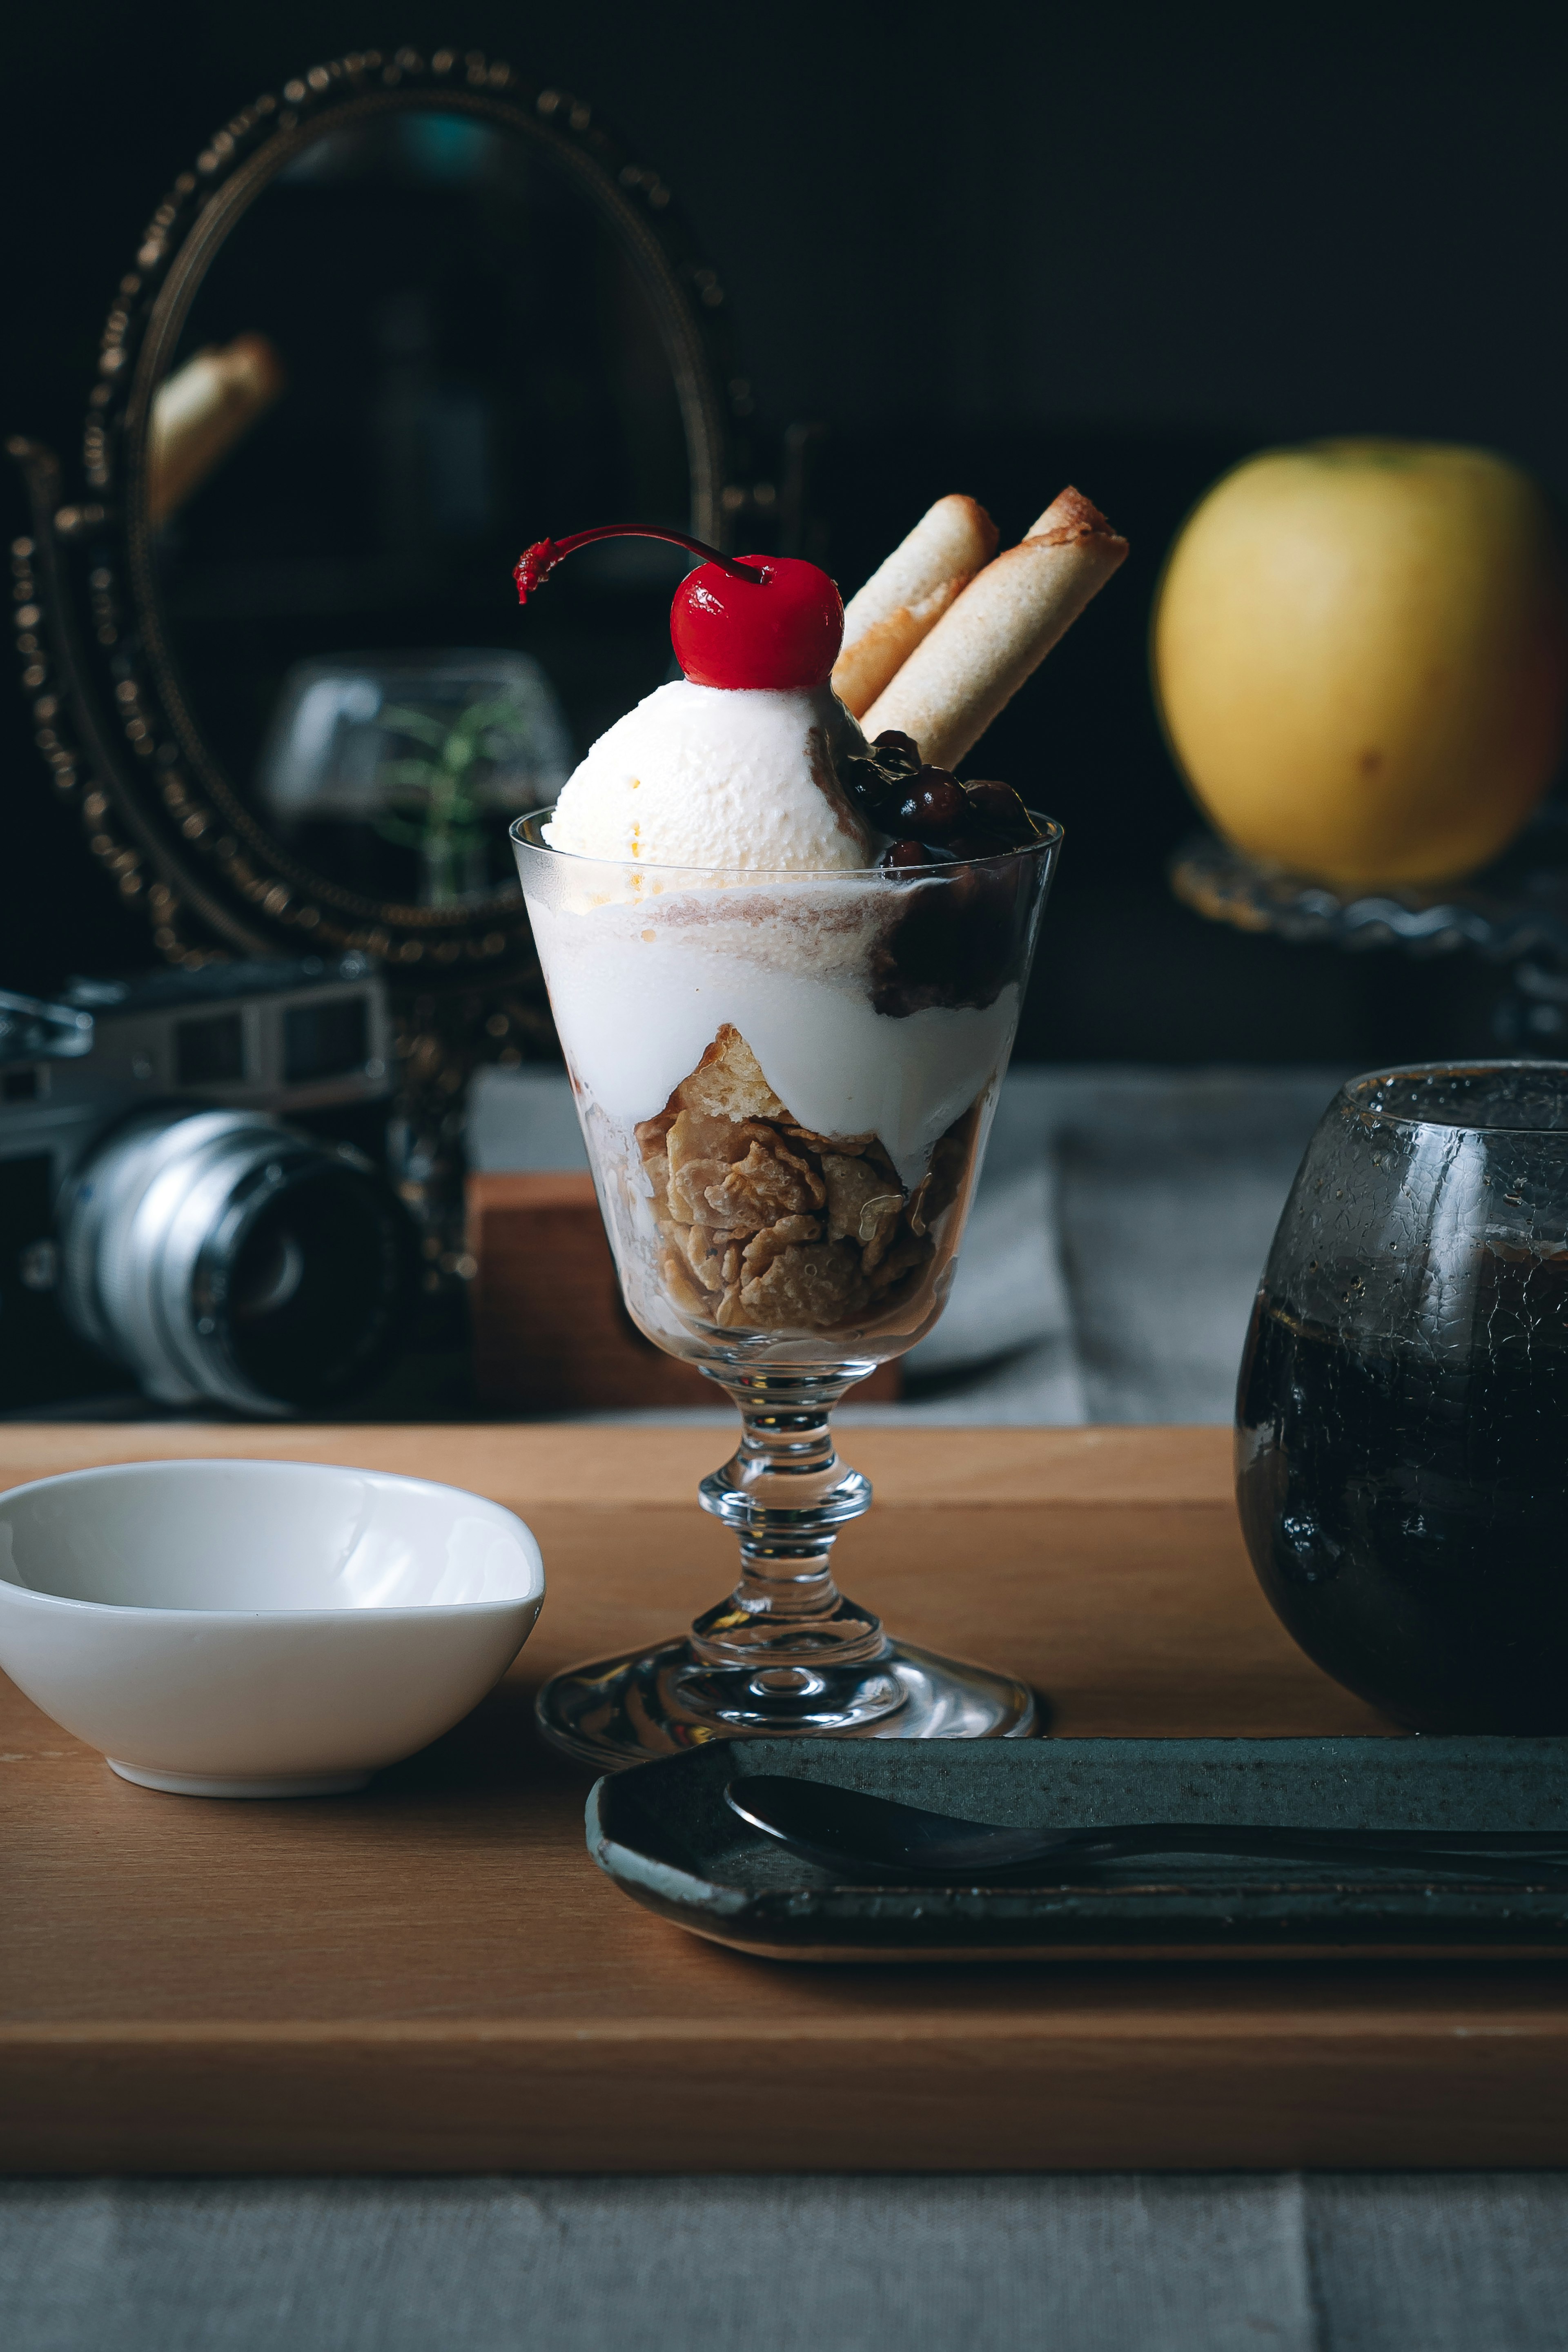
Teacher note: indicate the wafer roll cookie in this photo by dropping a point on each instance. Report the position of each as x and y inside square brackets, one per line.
[998, 631]
[906, 596]
[199, 414]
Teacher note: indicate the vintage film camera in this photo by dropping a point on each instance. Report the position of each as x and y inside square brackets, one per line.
[189, 1189]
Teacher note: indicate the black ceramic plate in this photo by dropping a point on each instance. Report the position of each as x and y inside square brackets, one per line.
[664, 1834]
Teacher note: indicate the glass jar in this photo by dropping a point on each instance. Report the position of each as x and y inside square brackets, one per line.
[1401, 1467]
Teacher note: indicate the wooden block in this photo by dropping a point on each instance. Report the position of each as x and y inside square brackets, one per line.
[551, 1333]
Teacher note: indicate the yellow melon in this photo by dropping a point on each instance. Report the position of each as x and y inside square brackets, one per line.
[1360, 657]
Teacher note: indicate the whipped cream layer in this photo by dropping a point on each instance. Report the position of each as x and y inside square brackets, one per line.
[641, 985]
[706, 776]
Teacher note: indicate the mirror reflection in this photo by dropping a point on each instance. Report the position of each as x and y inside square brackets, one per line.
[422, 345]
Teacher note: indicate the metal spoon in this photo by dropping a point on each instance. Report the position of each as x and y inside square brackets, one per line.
[845, 1829]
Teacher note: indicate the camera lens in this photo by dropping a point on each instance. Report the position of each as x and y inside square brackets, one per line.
[223, 1255]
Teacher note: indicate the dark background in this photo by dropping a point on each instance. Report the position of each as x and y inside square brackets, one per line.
[989, 248]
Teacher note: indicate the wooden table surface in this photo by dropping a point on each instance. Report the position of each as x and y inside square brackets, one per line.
[432, 1976]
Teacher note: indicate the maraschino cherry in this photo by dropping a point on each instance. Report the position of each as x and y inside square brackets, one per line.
[747, 621]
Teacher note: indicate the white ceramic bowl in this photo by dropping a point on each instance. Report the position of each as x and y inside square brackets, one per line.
[258, 1628]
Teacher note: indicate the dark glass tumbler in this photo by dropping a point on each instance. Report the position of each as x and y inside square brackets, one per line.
[1401, 1422]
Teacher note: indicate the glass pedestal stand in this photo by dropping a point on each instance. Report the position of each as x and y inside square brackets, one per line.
[1515, 914]
[786, 1651]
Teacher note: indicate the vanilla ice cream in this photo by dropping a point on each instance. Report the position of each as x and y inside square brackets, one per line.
[719, 779]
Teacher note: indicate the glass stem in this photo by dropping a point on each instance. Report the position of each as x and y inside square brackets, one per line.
[786, 1494]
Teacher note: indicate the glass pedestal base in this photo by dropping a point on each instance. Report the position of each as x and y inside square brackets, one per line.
[785, 1654]
[650, 1703]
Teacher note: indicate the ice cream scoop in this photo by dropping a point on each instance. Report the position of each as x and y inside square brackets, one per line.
[719, 777]
[731, 767]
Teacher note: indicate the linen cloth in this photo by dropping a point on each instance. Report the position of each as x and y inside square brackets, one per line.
[1073, 2264]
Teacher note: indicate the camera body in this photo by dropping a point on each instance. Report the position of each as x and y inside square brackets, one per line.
[190, 1189]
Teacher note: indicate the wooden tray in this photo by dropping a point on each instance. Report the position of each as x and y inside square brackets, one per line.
[433, 1977]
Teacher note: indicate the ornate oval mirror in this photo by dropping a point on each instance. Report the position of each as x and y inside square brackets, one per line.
[400, 318]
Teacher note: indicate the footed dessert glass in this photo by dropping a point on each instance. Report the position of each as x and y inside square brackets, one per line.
[785, 1082]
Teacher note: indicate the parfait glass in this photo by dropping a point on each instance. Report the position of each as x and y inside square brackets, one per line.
[785, 1082]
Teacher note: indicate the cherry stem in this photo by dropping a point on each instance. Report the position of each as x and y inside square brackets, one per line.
[536, 563]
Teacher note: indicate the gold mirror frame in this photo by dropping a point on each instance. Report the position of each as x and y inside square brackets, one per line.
[111, 716]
